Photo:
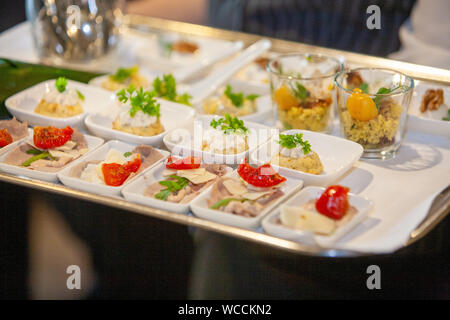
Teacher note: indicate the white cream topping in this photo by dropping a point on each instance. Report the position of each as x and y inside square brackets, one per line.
[219, 142]
[68, 97]
[140, 119]
[296, 152]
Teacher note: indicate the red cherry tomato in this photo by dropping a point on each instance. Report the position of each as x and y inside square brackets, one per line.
[5, 138]
[51, 137]
[333, 202]
[264, 176]
[183, 164]
[115, 174]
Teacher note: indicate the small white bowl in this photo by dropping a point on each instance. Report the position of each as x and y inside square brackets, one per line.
[429, 121]
[93, 144]
[23, 103]
[338, 155]
[134, 192]
[173, 115]
[182, 142]
[270, 226]
[13, 144]
[100, 154]
[200, 206]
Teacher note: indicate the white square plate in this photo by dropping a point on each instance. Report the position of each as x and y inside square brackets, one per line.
[13, 144]
[337, 155]
[429, 121]
[173, 115]
[182, 141]
[100, 154]
[93, 144]
[200, 206]
[270, 226]
[23, 103]
[134, 191]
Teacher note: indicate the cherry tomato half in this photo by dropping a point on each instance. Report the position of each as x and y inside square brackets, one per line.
[115, 174]
[333, 202]
[5, 138]
[51, 137]
[183, 164]
[264, 176]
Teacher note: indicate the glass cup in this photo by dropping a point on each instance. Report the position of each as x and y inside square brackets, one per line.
[302, 90]
[373, 106]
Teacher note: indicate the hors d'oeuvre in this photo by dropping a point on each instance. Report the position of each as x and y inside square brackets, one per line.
[123, 77]
[229, 102]
[320, 216]
[12, 130]
[169, 45]
[433, 105]
[296, 153]
[61, 101]
[227, 135]
[166, 88]
[255, 71]
[185, 179]
[139, 112]
[117, 167]
[50, 150]
[255, 190]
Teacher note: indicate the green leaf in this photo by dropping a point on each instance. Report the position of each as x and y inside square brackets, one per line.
[127, 154]
[140, 100]
[122, 74]
[79, 94]
[163, 194]
[382, 90]
[237, 99]
[33, 151]
[229, 124]
[225, 202]
[364, 87]
[252, 97]
[300, 92]
[43, 155]
[166, 88]
[61, 84]
[292, 141]
[176, 184]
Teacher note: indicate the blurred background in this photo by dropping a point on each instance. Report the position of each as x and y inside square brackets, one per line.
[126, 255]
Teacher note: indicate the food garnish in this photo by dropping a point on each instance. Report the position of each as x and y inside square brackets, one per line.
[290, 141]
[361, 106]
[166, 88]
[140, 100]
[39, 155]
[61, 84]
[127, 154]
[284, 98]
[80, 95]
[300, 92]
[51, 137]
[122, 74]
[115, 174]
[224, 202]
[5, 138]
[333, 202]
[172, 186]
[183, 164]
[229, 124]
[237, 98]
[264, 176]
[432, 100]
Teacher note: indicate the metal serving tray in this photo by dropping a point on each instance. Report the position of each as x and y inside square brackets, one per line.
[141, 24]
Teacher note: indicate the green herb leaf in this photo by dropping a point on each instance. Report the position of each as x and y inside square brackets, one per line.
[140, 100]
[237, 98]
[33, 151]
[61, 84]
[79, 94]
[225, 202]
[382, 90]
[300, 92]
[176, 184]
[42, 155]
[364, 87]
[166, 88]
[291, 141]
[229, 124]
[252, 97]
[127, 154]
[122, 74]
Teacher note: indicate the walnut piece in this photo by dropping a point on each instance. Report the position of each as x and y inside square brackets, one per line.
[432, 100]
[354, 79]
[184, 47]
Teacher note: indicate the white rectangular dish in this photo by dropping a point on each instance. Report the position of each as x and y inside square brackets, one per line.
[337, 155]
[272, 227]
[200, 207]
[22, 104]
[93, 144]
[134, 191]
[173, 115]
[100, 154]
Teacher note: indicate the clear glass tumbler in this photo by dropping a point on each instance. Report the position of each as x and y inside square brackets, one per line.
[302, 90]
[373, 106]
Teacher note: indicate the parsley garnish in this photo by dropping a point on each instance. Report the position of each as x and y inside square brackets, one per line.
[123, 74]
[237, 98]
[300, 92]
[252, 97]
[229, 124]
[79, 94]
[166, 88]
[172, 186]
[140, 100]
[61, 84]
[291, 141]
[382, 90]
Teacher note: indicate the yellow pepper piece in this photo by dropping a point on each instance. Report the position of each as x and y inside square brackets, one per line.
[361, 106]
[284, 98]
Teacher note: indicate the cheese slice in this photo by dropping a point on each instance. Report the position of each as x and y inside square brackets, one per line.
[168, 172]
[255, 195]
[196, 176]
[60, 154]
[306, 220]
[69, 145]
[234, 187]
